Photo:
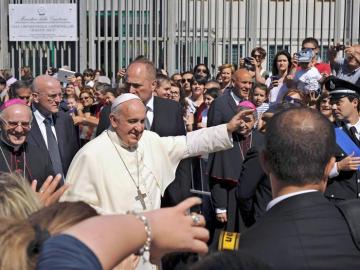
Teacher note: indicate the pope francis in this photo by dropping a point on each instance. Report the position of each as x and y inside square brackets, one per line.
[129, 168]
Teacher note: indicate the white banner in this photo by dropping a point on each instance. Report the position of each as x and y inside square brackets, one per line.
[42, 22]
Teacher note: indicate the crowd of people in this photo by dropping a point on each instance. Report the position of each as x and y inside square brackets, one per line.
[98, 175]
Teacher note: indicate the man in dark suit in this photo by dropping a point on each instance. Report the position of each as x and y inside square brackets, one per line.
[52, 130]
[301, 229]
[224, 167]
[344, 182]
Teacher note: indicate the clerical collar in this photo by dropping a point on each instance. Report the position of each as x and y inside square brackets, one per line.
[117, 140]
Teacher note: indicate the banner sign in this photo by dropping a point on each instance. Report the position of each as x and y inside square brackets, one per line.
[42, 22]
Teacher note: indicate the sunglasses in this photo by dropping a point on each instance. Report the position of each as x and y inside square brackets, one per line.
[295, 101]
[84, 98]
[186, 80]
[201, 70]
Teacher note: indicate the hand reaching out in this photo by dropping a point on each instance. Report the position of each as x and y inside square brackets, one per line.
[48, 194]
[174, 230]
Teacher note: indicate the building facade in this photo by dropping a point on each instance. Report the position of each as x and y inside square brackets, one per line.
[178, 34]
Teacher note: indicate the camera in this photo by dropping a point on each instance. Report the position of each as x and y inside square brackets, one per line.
[340, 47]
[248, 65]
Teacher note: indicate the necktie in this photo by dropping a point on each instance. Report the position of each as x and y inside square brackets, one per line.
[53, 147]
[147, 122]
[353, 133]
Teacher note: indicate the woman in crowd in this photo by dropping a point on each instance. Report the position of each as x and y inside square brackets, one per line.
[201, 71]
[296, 97]
[258, 56]
[25, 74]
[226, 71]
[324, 106]
[280, 69]
[87, 117]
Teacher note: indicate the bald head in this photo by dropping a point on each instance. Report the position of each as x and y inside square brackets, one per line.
[242, 83]
[46, 94]
[299, 144]
[140, 79]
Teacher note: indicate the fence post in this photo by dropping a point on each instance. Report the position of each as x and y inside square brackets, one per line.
[82, 35]
[338, 11]
[171, 34]
[4, 36]
[252, 17]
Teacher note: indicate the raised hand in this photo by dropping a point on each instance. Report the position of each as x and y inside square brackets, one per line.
[48, 194]
[174, 230]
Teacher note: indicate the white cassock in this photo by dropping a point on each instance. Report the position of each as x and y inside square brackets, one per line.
[98, 176]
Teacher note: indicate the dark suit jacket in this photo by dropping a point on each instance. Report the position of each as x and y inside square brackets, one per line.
[347, 184]
[38, 163]
[254, 189]
[67, 137]
[104, 121]
[221, 165]
[302, 232]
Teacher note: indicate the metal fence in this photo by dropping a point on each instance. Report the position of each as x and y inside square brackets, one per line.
[178, 34]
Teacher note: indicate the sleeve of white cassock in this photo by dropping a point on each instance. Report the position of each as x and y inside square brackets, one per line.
[208, 140]
[83, 177]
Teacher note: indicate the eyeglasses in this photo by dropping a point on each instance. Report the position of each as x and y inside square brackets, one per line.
[186, 80]
[201, 70]
[257, 56]
[295, 101]
[14, 124]
[84, 98]
[24, 97]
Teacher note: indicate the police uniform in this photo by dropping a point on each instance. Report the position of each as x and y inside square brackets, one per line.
[346, 185]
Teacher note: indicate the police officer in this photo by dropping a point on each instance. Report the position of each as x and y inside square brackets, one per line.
[344, 179]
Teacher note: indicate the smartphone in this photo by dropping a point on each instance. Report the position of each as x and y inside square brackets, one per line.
[340, 47]
[203, 195]
[64, 74]
[274, 78]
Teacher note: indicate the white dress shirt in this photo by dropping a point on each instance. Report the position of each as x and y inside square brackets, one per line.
[285, 196]
[150, 110]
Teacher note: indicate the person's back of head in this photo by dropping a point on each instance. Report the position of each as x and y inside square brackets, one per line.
[21, 240]
[17, 200]
[60, 216]
[15, 237]
[299, 143]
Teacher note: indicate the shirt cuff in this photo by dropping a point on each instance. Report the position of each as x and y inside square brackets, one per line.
[220, 210]
[334, 171]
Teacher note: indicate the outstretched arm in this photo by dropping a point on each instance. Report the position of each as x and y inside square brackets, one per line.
[113, 238]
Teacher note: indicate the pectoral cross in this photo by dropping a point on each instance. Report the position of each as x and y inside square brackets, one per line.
[140, 197]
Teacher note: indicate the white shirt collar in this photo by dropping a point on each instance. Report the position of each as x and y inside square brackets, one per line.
[357, 126]
[285, 196]
[235, 97]
[39, 117]
[150, 104]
